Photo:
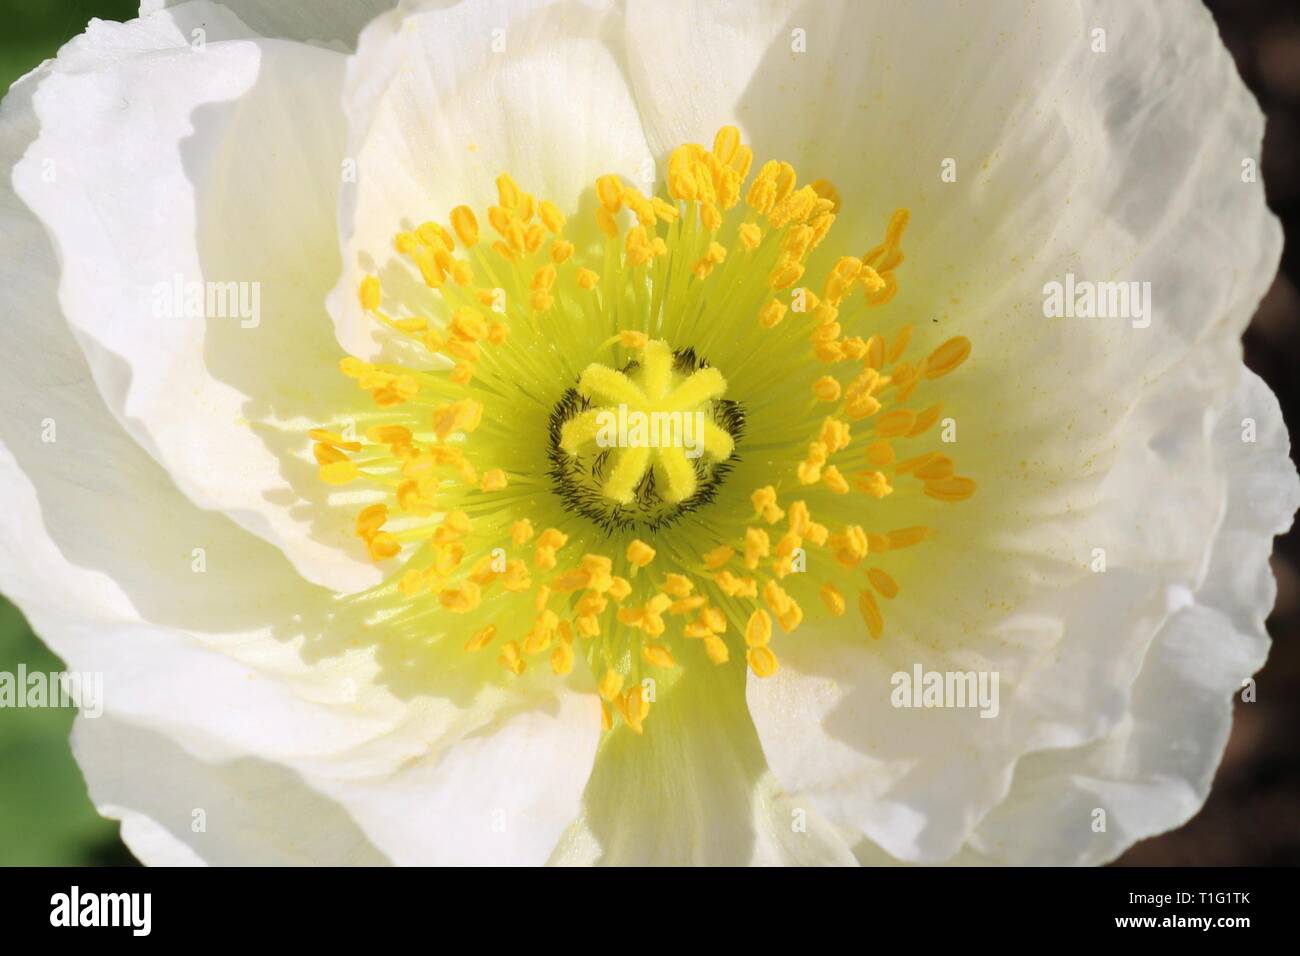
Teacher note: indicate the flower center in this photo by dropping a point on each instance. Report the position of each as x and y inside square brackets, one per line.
[639, 447]
[564, 476]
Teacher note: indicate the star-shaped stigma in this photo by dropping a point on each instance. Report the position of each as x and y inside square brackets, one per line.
[649, 418]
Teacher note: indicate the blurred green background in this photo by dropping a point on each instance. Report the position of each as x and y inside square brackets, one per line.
[46, 819]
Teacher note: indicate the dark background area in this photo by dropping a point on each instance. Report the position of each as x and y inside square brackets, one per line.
[1253, 813]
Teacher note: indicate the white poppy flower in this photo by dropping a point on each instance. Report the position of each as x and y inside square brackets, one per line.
[487, 623]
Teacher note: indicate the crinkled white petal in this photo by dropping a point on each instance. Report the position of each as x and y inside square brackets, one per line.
[1083, 434]
[1153, 770]
[326, 21]
[177, 810]
[217, 165]
[443, 100]
[207, 636]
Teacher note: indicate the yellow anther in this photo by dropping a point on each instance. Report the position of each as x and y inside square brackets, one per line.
[850, 546]
[835, 435]
[714, 256]
[761, 661]
[757, 545]
[825, 189]
[763, 499]
[552, 538]
[899, 345]
[880, 453]
[562, 658]
[871, 613]
[710, 216]
[606, 222]
[370, 519]
[551, 216]
[462, 416]
[462, 598]
[951, 489]
[639, 553]
[861, 406]
[353, 367]
[544, 278]
[833, 599]
[799, 518]
[587, 279]
[527, 205]
[438, 239]
[947, 357]
[611, 685]
[481, 638]
[770, 315]
[572, 580]
[534, 236]
[716, 648]
[465, 225]
[507, 191]
[794, 208]
[882, 582]
[339, 472]
[657, 655]
[538, 639]
[455, 523]
[790, 616]
[609, 190]
[728, 583]
[521, 531]
[678, 585]
[511, 659]
[786, 273]
[635, 708]
[835, 481]
[382, 546]
[826, 389]
[718, 557]
[758, 630]
[468, 325]
[935, 467]
[906, 537]
[925, 419]
[370, 293]
[493, 480]
[750, 235]
[725, 143]
[561, 251]
[895, 423]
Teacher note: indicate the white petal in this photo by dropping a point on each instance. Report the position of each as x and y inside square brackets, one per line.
[693, 790]
[441, 101]
[99, 552]
[177, 810]
[503, 796]
[1153, 771]
[326, 21]
[1082, 434]
[218, 165]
